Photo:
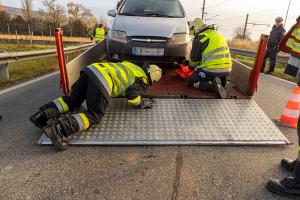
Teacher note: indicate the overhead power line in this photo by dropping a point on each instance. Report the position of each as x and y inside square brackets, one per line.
[254, 24]
[265, 11]
[287, 13]
[254, 13]
[204, 7]
[218, 4]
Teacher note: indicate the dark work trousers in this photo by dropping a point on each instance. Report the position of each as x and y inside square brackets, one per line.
[271, 53]
[204, 79]
[85, 90]
[297, 168]
[298, 132]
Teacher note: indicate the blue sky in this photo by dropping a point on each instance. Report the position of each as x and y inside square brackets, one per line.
[231, 13]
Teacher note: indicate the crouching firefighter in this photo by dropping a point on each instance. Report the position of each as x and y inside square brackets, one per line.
[96, 85]
[211, 59]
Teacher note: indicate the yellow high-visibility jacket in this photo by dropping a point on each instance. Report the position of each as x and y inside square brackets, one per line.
[210, 51]
[123, 79]
[99, 34]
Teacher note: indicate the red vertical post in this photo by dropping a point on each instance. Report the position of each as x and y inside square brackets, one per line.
[261, 51]
[64, 83]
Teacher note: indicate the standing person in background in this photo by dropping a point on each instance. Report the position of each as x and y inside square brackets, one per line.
[275, 38]
[99, 33]
[290, 186]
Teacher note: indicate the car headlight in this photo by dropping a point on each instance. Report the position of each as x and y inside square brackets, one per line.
[118, 36]
[180, 38]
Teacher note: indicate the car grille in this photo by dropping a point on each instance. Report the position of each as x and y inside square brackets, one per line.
[149, 39]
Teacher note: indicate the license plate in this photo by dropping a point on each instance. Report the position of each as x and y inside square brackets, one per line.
[140, 51]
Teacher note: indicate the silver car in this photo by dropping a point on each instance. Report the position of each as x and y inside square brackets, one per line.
[149, 30]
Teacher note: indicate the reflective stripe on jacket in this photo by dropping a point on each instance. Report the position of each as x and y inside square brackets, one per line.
[291, 42]
[294, 62]
[294, 41]
[100, 34]
[117, 77]
[216, 55]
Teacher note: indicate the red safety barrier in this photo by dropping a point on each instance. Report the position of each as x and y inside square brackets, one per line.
[261, 51]
[64, 84]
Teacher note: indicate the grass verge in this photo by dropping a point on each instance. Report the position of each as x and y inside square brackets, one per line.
[279, 70]
[24, 47]
[27, 70]
[45, 38]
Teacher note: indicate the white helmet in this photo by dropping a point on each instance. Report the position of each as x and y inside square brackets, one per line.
[155, 73]
[196, 25]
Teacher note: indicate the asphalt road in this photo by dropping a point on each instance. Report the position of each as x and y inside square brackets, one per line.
[29, 171]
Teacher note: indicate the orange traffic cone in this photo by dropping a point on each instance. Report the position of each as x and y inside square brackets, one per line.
[290, 115]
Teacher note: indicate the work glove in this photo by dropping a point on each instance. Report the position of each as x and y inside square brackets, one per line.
[185, 62]
[146, 104]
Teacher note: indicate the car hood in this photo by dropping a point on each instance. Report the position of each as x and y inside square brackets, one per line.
[150, 26]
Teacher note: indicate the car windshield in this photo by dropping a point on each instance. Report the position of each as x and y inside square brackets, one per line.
[152, 8]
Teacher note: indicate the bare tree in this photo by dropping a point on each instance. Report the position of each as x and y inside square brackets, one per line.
[1, 7]
[77, 12]
[54, 14]
[4, 21]
[239, 32]
[27, 12]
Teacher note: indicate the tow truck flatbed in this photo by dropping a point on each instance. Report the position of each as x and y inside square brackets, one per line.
[183, 122]
[181, 115]
[172, 86]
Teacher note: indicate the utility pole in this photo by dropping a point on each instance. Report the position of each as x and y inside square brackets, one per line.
[287, 13]
[245, 28]
[203, 9]
[254, 24]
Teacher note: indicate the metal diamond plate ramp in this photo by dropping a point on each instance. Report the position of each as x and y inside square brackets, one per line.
[182, 122]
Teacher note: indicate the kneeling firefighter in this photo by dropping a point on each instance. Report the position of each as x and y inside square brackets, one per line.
[96, 85]
[211, 59]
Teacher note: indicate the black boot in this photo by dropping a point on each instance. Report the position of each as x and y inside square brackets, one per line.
[268, 72]
[218, 88]
[289, 164]
[61, 128]
[272, 67]
[55, 133]
[45, 113]
[288, 187]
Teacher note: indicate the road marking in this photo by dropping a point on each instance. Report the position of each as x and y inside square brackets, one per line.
[290, 82]
[27, 83]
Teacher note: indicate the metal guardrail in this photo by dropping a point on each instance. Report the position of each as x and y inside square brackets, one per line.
[6, 58]
[252, 53]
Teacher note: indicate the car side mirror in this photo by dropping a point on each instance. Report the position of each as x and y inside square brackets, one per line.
[112, 13]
